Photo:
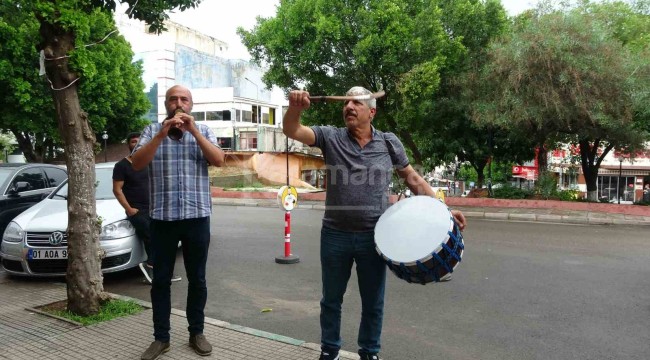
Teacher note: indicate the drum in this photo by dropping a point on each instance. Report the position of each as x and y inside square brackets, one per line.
[419, 239]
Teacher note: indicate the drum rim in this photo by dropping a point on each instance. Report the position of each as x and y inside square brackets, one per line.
[452, 228]
[426, 258]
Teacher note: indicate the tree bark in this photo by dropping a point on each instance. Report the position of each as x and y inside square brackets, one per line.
[84, 277]
[590, 162]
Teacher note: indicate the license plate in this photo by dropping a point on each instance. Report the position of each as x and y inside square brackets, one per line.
[47, 254]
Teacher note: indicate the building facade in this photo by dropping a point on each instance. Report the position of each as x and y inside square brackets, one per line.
[228, 94]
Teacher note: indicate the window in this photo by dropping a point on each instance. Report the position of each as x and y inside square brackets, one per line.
[224, 142]
[611, 188]
[256, 112]
[247, 116]
[198, 116]
[33, 177]
[218, 115]
[55, 176]
[248, 140]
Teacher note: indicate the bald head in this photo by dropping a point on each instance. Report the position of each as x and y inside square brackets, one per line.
[178, 97]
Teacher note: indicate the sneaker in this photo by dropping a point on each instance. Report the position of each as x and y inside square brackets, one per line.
[329, 355]
[366, 356]
[156, 349]
[147, 271]
[176, 278]
[446, 277]
[200, 345]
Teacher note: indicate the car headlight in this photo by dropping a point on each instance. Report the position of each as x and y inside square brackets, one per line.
[117, 230]
[13, 233]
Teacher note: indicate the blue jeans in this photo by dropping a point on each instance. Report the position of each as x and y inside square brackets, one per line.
[339, 249]
[194, 235]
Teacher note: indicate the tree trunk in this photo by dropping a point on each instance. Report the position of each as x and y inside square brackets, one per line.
[590, 165]
[84, 277]
[542, 158]
[480, 168]
[407, 140]
[26, 146]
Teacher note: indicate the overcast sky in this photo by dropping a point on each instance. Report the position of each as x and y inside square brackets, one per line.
[220, 19]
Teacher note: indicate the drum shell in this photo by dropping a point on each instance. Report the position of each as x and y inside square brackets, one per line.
[419, 239]
[430, 268]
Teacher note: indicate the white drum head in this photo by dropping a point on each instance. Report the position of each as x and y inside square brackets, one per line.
[413, 228]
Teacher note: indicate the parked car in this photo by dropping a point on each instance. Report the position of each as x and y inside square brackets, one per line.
[24, 185]
[35, 242]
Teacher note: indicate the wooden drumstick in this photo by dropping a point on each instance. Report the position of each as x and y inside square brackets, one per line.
[376, 95]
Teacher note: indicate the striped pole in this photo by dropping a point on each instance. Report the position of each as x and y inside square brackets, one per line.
[287, 234]
[288, 258]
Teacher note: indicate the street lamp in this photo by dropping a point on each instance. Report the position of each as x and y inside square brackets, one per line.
[620, 175]
[105, 137]
[259, 121]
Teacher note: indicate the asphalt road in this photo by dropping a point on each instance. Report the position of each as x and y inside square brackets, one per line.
[523, 291]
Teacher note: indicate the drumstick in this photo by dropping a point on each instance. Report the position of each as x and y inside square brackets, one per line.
[378, 94]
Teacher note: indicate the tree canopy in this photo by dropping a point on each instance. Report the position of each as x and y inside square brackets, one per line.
[569, 75]
[111, 90]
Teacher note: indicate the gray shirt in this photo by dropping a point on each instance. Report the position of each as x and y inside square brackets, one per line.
[357, 178]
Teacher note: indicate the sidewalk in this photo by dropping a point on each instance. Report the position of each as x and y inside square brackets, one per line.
[550, 215]
[26, 334]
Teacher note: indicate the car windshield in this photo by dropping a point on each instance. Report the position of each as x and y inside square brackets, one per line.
[103, 186]
[5, 173]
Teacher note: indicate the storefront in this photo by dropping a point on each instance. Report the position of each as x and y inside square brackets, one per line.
[620, 178]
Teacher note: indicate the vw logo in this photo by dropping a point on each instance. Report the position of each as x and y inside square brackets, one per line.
[56, 238]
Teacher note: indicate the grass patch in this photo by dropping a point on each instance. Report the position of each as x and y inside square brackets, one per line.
[112, 309]
[245, 185]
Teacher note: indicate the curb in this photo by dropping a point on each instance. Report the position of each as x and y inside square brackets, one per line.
[243, 329]
[500, 216]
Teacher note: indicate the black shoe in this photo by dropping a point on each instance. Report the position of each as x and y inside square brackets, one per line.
[156, 349]
[366, 356]
[329, 355]
[200, 345]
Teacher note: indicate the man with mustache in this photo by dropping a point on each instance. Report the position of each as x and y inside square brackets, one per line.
[179, 189]
[360, 161]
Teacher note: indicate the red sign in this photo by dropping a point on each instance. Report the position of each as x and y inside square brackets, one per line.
[528, 172]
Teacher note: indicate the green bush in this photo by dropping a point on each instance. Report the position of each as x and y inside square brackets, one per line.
[568, 195]
[510, 192]
[546, 186]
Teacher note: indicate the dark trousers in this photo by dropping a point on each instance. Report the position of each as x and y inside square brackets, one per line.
[194, 235]
[142, 224]
[338, 251]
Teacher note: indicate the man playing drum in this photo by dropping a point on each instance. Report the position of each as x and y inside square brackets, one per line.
[359, 162]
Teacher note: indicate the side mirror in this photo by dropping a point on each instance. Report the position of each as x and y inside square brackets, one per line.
[19, 186]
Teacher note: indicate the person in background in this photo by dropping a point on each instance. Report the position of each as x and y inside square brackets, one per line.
[131, 188]
[359, 161]
[179, 190]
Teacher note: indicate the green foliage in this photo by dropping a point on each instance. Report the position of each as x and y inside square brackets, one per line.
[412, 49]
[568, 195]
[546, 185]
[110, 88]
[112, 309]
[570, 75]
[510, 192]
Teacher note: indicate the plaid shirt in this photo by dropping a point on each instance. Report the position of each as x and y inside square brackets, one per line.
[179, 185]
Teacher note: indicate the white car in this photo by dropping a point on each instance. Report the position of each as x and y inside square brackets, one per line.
[34, 243]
